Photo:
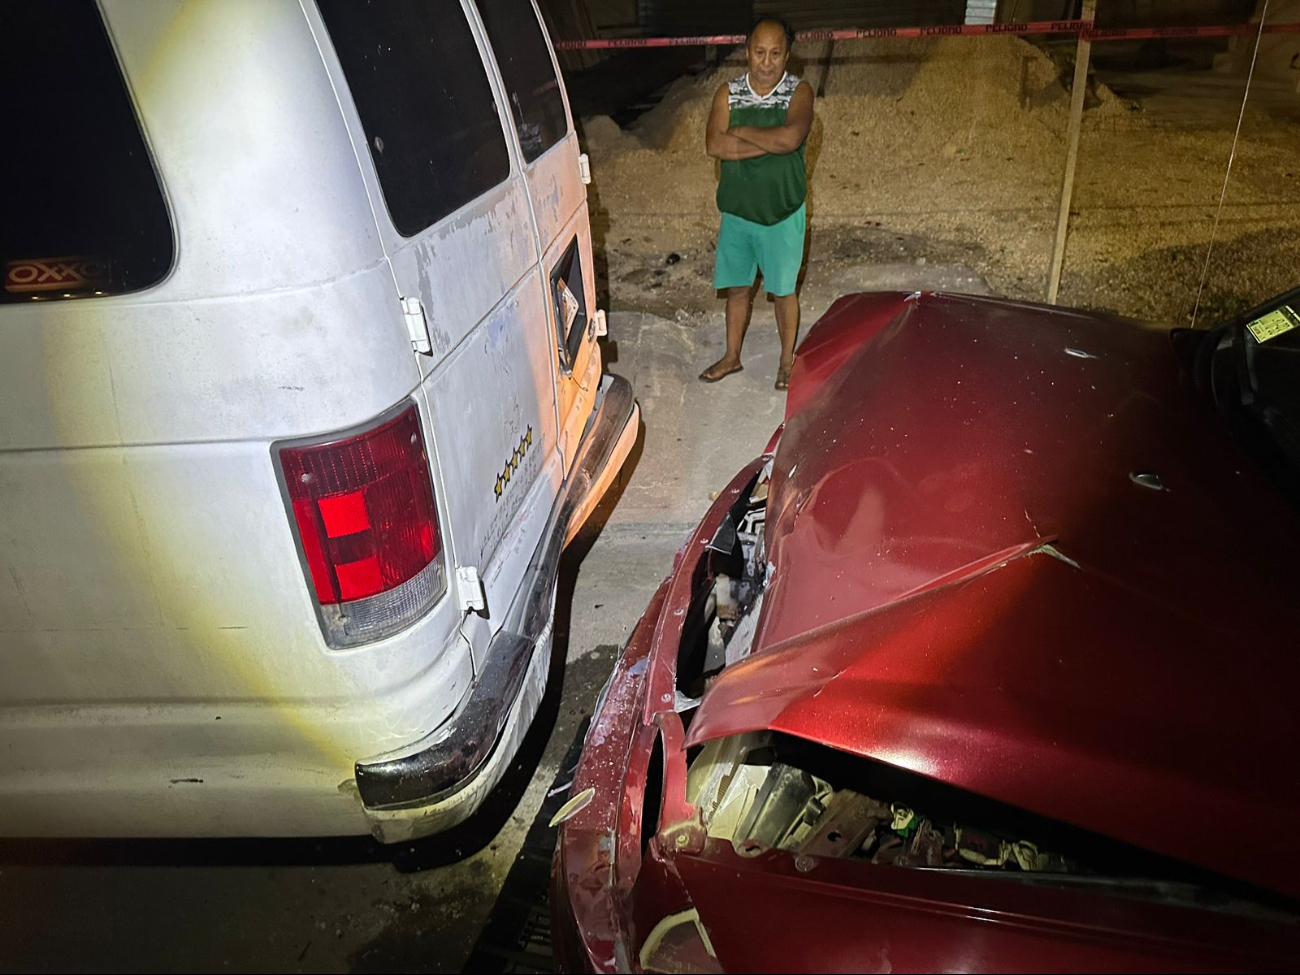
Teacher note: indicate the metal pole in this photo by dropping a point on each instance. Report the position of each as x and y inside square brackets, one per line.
[1071, 154]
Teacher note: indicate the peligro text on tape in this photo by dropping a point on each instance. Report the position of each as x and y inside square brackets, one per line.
[1029, 28]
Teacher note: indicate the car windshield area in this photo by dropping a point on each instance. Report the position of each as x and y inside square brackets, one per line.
[1249, 367]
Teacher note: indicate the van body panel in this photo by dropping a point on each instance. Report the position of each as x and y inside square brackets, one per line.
[475, 275]
[166, 673]
[461, 267]
[275, 320]
[195, 645]
[247, 139]
[560, 210]
[496, 452]
[556, 194]
[154, 613]
[578, 377]
[118, 370]
[247, 796]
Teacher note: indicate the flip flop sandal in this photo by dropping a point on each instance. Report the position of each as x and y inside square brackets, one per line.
[706, 377]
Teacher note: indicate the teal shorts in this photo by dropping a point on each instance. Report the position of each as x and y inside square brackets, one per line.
[745, 247]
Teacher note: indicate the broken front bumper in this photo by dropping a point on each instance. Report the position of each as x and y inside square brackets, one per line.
[638, 885]
[441, 780]
[600, 848]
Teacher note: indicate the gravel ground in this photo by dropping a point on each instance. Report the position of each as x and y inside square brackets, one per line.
[955, 147]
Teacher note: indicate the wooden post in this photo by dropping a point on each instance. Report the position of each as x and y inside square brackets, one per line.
[1071, 153]
[826, 69]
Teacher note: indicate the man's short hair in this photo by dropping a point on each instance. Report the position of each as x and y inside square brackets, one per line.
[785, 29]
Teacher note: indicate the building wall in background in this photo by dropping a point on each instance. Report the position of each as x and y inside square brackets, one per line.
[863, 13]
[1279, 54]
[667, 17]
[613, 15]
[695, 16]
[570, 20]
[699, 17]
[1133, 13]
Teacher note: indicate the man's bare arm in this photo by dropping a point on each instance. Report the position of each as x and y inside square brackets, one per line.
[783, 139]
[734, 148]
[718, 142]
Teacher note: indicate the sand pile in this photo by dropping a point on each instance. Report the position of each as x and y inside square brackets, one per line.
[962, 141]
[932, 79]
[602, 137]
[897, 118]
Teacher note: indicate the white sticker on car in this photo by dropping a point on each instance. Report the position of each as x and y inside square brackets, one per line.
[1277, 322]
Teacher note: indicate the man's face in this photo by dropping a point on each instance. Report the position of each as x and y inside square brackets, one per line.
[768, 53]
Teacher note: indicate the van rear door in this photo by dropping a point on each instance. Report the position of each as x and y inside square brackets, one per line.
[454, 216]
[549, 147]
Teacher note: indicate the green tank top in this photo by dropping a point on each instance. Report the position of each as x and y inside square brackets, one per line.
[770, 187]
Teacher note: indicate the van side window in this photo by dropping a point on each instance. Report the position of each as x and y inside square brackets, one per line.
[425, 103]
[528, 72]
[83, 214]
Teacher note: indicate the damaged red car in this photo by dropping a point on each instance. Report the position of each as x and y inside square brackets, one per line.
[987, 663]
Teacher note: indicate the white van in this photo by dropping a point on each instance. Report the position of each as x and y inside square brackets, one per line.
[300, 399]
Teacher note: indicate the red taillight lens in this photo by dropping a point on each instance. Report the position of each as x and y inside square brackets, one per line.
[366, 520]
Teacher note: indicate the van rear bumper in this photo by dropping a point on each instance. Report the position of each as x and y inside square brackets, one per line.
[442, 779]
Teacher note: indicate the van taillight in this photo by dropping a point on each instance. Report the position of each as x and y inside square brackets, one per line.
[367, 527]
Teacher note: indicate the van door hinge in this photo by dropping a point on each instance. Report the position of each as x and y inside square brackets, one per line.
[599, 324]
[417, 325]
[584, 168]
[473, 597]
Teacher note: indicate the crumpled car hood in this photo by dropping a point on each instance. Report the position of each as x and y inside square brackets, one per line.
[1014, 551]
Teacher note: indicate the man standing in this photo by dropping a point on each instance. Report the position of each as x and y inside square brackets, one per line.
[758, 127]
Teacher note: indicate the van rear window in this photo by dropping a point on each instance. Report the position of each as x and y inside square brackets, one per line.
[425, 103]
[83, 213]
[528, 72]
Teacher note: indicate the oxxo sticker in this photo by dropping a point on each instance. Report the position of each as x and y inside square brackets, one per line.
[1277, 322]
[36, 275]
[512, 464]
